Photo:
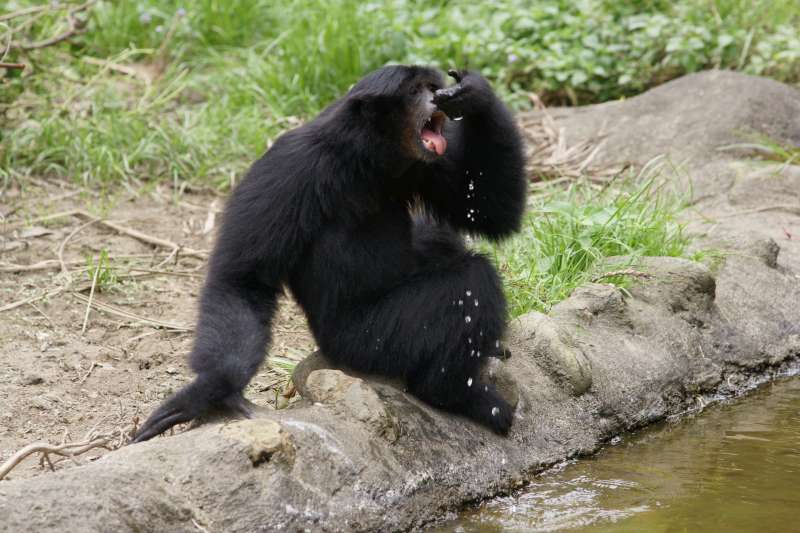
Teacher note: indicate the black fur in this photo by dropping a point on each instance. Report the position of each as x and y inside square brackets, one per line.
[327, 211]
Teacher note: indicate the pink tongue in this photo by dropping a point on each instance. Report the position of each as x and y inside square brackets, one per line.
[434, 141]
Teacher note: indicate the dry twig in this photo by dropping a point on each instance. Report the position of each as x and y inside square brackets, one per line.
[131, 316]
[89, 303]
[107, 441]
[551, 155]
[75, 26]
[630, 272]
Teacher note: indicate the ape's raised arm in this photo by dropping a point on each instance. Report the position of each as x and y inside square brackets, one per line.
[478, 185]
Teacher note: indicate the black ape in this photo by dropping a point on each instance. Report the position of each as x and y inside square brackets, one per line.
[328, 212]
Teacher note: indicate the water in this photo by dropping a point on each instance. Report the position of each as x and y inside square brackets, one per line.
[733, 468]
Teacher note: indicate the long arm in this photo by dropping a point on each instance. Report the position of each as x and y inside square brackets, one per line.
[478, 185]
[260, 240]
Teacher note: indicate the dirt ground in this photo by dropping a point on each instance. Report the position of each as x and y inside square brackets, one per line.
[63, 382]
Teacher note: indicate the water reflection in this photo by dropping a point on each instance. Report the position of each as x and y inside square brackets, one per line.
[735, 467]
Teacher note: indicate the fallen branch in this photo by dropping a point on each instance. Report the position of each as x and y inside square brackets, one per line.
[131, 316]
[144, 237]
[53, 264]
[44, 294]
[12, 66]
[130, 232]
[71, 450]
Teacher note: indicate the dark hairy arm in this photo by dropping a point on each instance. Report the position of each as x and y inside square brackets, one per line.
[478, 185]
[260, 240]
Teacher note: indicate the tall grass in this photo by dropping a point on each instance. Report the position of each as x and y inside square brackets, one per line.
[567, 234]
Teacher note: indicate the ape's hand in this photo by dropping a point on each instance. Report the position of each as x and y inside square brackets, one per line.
[195, 399]
[471, 94]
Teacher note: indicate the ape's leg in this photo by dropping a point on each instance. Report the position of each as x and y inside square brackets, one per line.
[436, 331]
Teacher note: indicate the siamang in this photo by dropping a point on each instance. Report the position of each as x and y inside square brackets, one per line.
[361, 212]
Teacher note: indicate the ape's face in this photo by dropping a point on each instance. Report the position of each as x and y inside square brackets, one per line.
[398, 103]
[424, 135]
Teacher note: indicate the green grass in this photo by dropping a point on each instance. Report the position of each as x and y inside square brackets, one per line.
[233, 75]
[567, 234]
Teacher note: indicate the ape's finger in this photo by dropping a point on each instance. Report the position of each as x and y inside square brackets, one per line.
[453, 73]
[160, 425]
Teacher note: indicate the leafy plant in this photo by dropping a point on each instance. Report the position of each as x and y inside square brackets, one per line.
[100, 272]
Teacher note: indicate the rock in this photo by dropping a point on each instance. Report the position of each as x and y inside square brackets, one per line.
[765, 249]
[594, 301]
[538, 336]
[263, 440]
[353, 396]
[688, 119]
[675, 283]
[312, 362]
[497, 373]
[32, 379]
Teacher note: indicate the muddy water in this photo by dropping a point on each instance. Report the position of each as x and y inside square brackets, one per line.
[734, 467]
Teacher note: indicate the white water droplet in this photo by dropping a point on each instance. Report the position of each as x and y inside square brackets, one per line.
[442, 370]
[469, 382]
[471, 353]
[461, 302]
[479, 353]
[469, 293]
[476, 302]
[469, 340]
[486, 388]
[467, 319]
[495, 411]
[497, 344]
[458, 118]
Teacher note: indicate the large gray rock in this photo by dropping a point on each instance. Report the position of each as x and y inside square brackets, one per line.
[361, 454]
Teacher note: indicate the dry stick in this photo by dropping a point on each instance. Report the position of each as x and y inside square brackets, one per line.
[44, 294]
[89, 304]
[76, 27]
[65, 450]
[52, 325]
[166, 272]
[12, 66]
[625, 272]
[131, 316]
[144, 237]
[89, 372]
[61, 262]
[62, 214]
[49, 264]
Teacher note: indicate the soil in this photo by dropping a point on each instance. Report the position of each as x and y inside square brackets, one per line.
[58, 382]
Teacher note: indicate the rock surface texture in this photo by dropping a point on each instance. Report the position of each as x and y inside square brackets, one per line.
[360, 454]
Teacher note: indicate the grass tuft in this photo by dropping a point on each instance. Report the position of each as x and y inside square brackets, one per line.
[567, 234]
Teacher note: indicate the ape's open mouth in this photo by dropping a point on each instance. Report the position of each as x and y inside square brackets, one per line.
[431, 133]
